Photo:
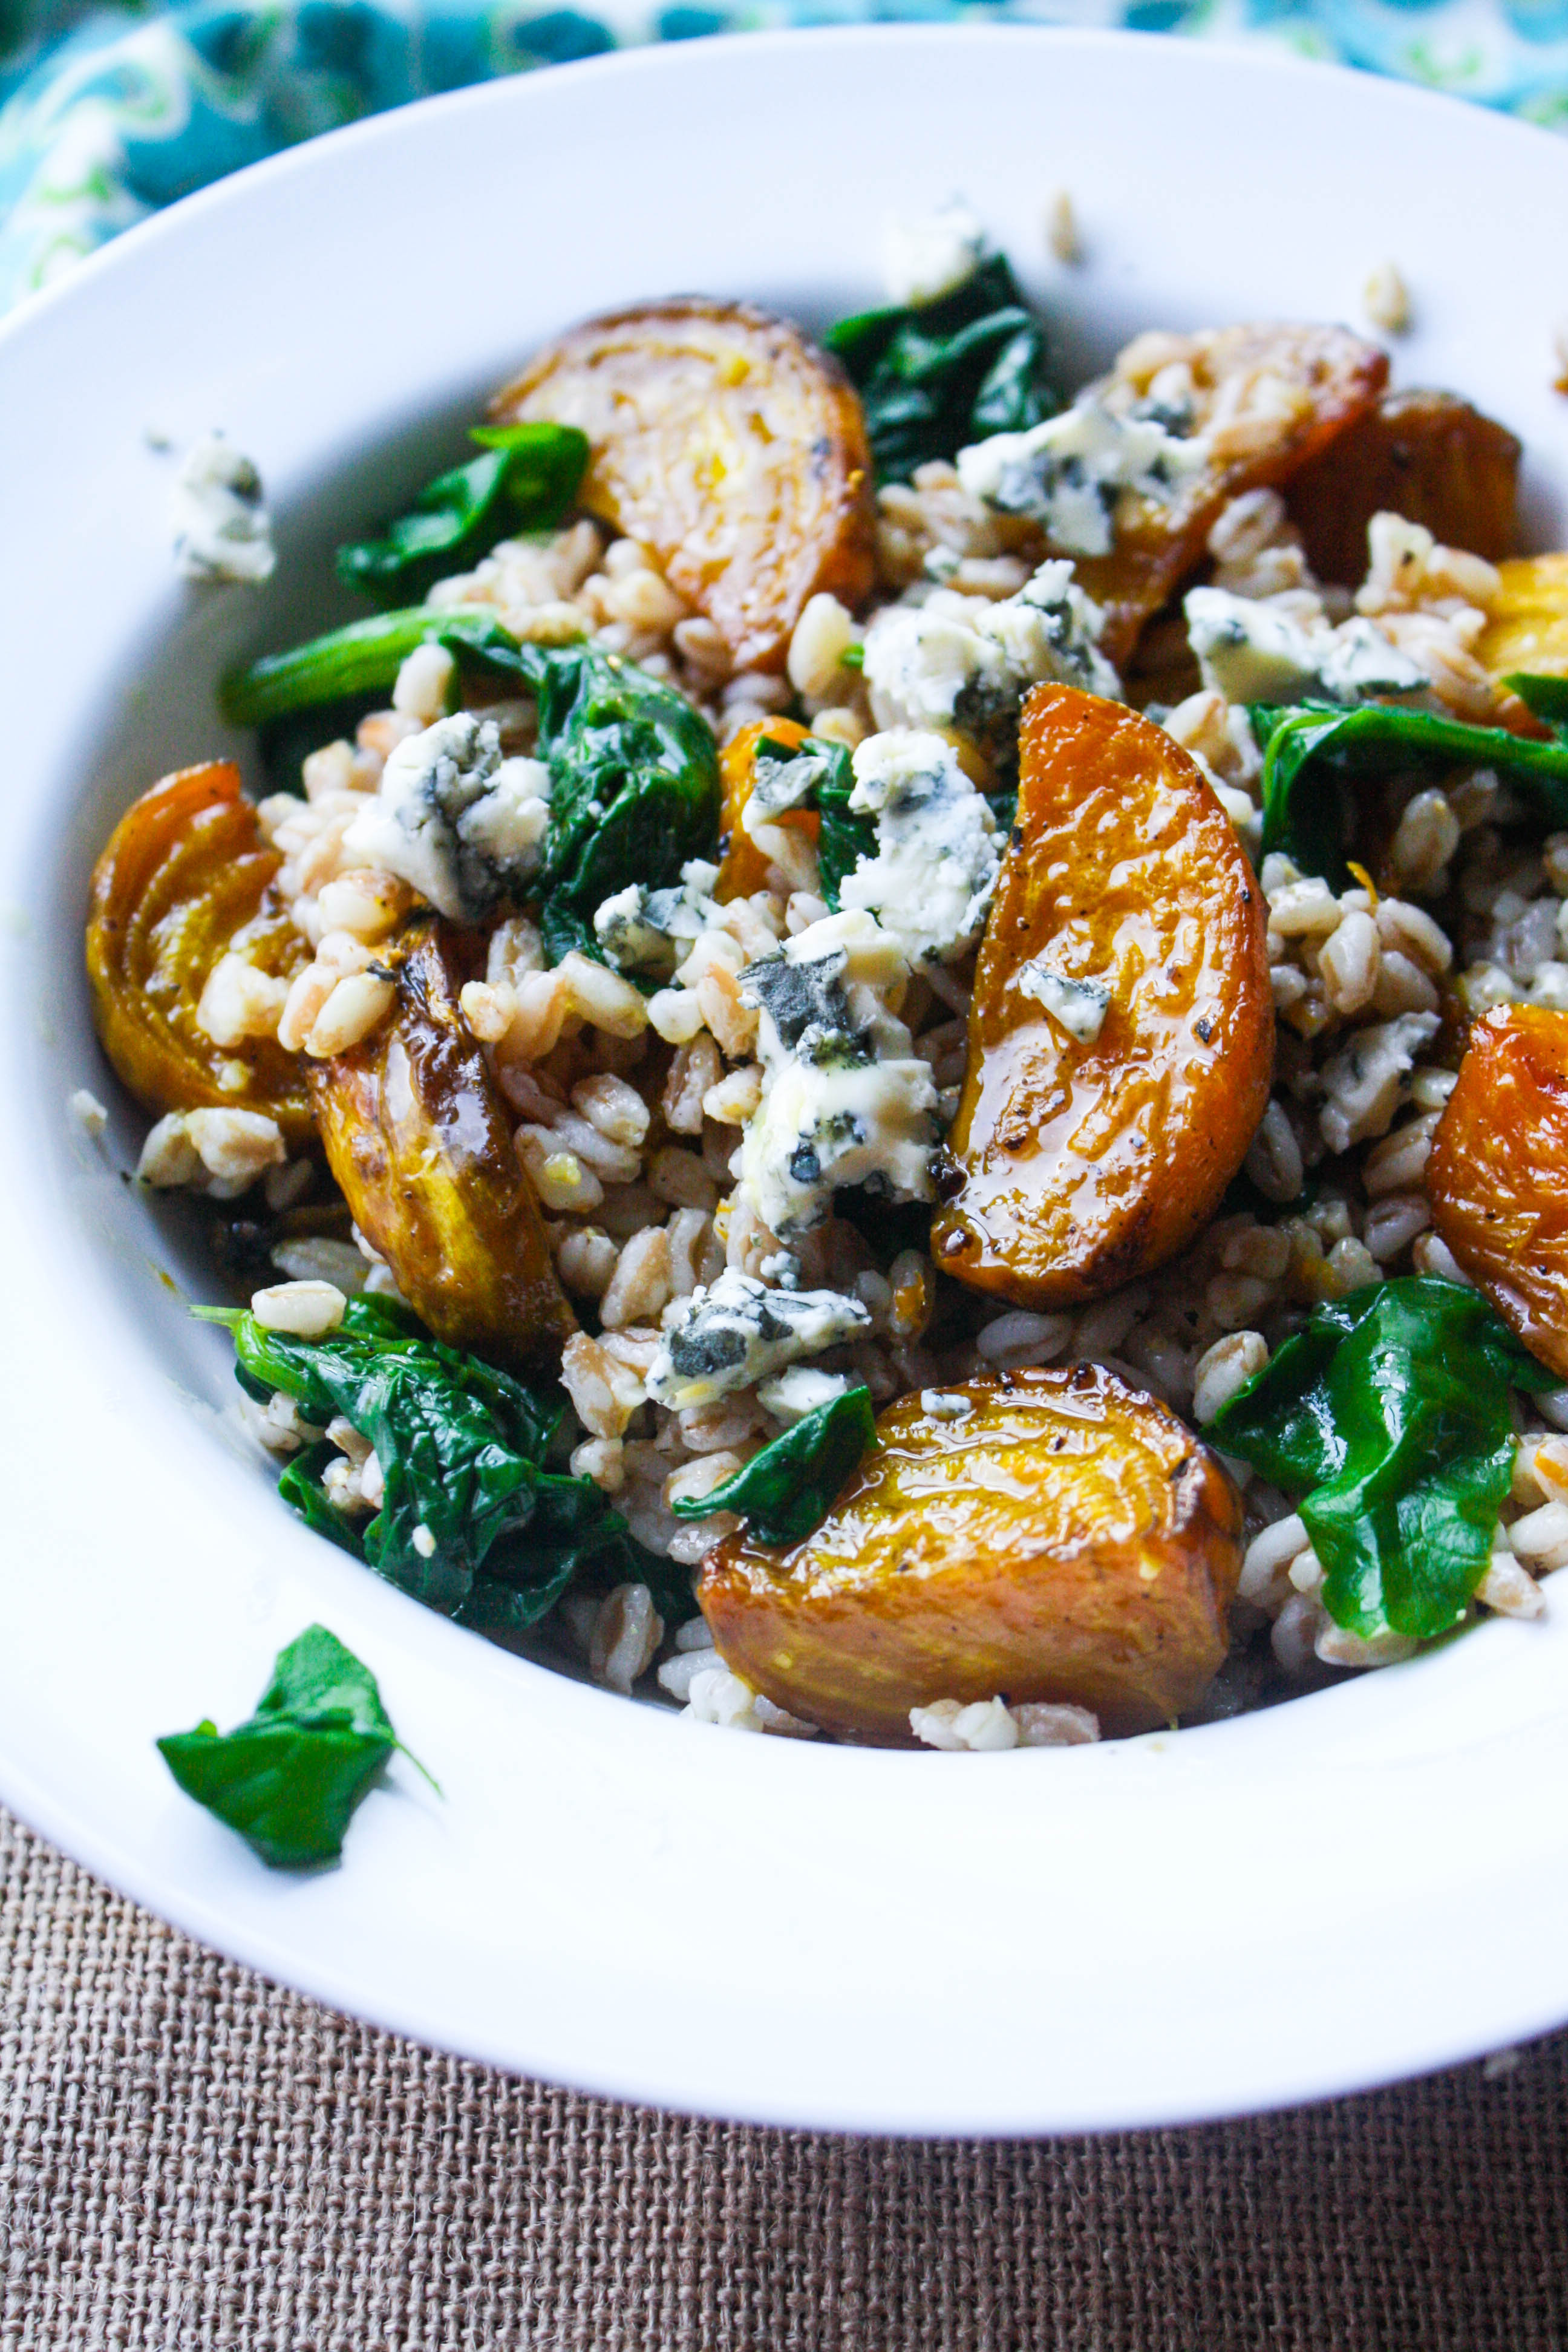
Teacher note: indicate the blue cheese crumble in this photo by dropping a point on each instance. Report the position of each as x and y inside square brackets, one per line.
[790, 1396]
[647, 931]
[845, 1100]
[222, 528]
[1079, 1004]
[737, 1331]
[459, 823]
[1069, 473]
[960, 661]
[927, 254]
[930, 884]
[1252, 651]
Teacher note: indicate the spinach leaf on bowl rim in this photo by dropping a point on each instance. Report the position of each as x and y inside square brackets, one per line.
[1389, 1419]
[290, 1778]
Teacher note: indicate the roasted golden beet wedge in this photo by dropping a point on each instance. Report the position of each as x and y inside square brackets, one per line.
[1497, 1175]
[1269, 399]
[1122, 1034]
[1427, 455]
[185, 879]
[727, 444]
[1063, 1538]
[1528, 629]
[415, 1134]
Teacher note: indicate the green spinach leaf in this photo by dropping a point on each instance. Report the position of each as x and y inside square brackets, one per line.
[634, 774]
[363, 659]
[301, 1488]
[1546, 697]
[1389, 1419]
[789, 1488]
[1312, 751]
[290, 1778]
[461, 1448]
[525, 481]
[934, 377]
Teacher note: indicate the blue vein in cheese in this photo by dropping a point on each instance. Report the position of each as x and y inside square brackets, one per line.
[737, 1331]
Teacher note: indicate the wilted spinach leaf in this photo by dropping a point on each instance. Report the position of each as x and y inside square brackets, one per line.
[461, 1448]
[301, 1488]
[1389, 1419]
[934, 377]
[363, 659]
[1546, 697]
[1312, 750]
[526, 480]
[634, 775]
[788, 1489]
[289, 1779]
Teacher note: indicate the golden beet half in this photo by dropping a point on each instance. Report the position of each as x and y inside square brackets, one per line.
[1528, 629]
[1426, 455]
[1267, 399]
[1497, 1175]
[185, 879]
[727, 444]
[1049, 1534]
[415, 1135]
[1122, 1034]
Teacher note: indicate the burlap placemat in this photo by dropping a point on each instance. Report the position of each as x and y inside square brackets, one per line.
[193, 2159]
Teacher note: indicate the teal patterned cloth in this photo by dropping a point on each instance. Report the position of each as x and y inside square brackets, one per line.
[106, 114]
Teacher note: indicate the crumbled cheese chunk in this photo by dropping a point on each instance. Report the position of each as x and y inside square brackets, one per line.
[222, 528]
[962, 661]
[926, 255]
[845, 1098]
[454, 818]
[930, 884]
[1251, 651]
[791, 1395]
[946, 1404]
[738, 1332]
[645, 930]
[780, 784]
[1069, 472]
[1079, 1004]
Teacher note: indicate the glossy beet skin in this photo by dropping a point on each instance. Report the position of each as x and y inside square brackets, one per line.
[1427, 455]
[185, 878]
[417, 1137]
[1067, 1539]
[727, 444]
[1074, 1166]
[1497, 1175]
[1324, 378]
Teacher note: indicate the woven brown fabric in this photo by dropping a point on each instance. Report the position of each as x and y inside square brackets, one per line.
[193, 2159]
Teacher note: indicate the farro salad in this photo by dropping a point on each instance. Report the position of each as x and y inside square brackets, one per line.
[891, 1059]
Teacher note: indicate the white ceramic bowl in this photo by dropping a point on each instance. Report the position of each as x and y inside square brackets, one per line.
[1348, 1888]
